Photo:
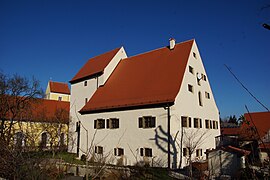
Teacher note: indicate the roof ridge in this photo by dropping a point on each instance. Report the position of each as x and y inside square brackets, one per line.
[157, 49]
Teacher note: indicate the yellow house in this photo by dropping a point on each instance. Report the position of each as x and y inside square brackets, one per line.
[43, 126]
[58, 91]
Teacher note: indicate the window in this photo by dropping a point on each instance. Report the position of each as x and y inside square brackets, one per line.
[194, 55]
[190, 88]
[186, 121]
[85, 83]
[185, 152]
[86, 100]
[207, 95]
[118, 151]
[99, 124]
[98, 149]
[197, 123]
[147, 152]
[200, 98]
[191, 70]
[198, 152]
[147, 122]
[210, 122]
[204, 77]
[112, 123]
[59, 98]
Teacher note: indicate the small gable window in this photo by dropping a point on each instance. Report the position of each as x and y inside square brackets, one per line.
[194, 55]
[190, 69]
[85, 83]
[190, 88]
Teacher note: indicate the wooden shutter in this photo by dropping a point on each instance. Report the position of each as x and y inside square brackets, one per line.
[108, 123]
[95, 124]
[153, 122]
[141, 151]
[140, 122]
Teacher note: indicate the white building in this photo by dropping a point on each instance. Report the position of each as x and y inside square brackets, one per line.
[124, 106]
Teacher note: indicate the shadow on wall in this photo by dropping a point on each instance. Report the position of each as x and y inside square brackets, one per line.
[161, 140]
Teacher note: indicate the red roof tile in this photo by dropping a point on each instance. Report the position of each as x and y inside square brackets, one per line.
[94, 65]
[261, 120]
[151, 78]
[58, 87]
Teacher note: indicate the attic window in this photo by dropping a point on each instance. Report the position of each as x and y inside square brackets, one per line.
[191, 70]
[194, 55]
[85, 83]
[207, 95]
[86, 100]
[190, 88]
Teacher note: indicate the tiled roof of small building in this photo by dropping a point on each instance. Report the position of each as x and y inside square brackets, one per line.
[58, 87]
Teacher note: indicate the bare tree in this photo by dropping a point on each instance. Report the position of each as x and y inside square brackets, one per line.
[16, 95]
[192, 140]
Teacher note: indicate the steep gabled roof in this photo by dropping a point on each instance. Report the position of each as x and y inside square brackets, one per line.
[94, 66]
[58, 87]
[151, 78]
[256, 120]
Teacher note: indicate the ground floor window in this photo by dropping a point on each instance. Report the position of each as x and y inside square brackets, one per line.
[147, 152]
[98, 149]
[118, 151]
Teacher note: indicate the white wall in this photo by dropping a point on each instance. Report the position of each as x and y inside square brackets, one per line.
[187, 104]
[128, 136]
[79, 92]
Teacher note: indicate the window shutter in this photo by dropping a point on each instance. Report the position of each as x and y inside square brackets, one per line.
[108, 123]
[95, 149]
[153, 122]
[115, 151]
[117, 123]
[140, 122]
[95, 124]
[141, 151]
[200, 123]
[189, 121]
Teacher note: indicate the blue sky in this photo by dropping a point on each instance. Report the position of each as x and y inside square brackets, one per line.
[53, 39]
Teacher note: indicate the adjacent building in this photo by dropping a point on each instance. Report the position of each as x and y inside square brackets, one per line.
[57, 91]
[153, 108]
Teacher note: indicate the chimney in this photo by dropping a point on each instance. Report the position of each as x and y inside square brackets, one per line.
[172, 43]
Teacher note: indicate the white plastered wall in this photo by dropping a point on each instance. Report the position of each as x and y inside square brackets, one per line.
[187, 104]
[79, 92]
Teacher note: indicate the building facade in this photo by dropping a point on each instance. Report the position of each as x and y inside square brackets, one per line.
[155, 108]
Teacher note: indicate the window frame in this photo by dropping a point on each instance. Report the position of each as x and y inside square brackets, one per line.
[146, 122]
[99, 124]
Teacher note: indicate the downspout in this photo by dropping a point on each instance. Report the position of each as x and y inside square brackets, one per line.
[78, 130]
[169, 135]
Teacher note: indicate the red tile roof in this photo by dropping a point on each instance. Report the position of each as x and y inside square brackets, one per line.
[38, 110]
[44, 110]
[230, 131]
[58, 87]
[260, 120]
[151, 78]
[94, 65]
